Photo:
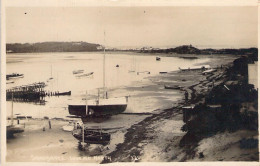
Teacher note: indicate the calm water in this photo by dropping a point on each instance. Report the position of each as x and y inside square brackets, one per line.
[38, 67]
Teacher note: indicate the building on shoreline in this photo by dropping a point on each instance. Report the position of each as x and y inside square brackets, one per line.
[252, 74]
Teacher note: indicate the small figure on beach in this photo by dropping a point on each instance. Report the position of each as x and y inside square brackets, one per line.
[78, 126]
[186, 96]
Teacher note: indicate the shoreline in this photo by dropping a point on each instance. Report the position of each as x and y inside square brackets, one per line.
[144, 143]
[141, 134]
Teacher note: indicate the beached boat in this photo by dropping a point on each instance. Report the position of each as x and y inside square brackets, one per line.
[85, 75]
[13, 129]
[78, 71]
[14, 75]
[172, 87]
[92, 136]
[102, 106]
[209, 71]
[204, 67]
[69, 127]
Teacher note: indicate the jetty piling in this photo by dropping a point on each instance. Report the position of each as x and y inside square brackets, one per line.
[31, 93]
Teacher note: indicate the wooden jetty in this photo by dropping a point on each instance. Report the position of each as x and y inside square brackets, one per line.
[31, 93]
[28, 92]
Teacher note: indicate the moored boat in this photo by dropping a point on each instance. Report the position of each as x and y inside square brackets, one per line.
[85, 75]
[172, 87]
[163, 72]
[77, 71]
[9, 82]
[102, 106]
[14, 75]
[146, 72]
[63, 93]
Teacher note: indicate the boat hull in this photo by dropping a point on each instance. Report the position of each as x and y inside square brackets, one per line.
[96, 110]
[64, 93]
[11, 130]
[172, 87]
[92, 137]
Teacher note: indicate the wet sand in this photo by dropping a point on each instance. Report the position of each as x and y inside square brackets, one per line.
[57, 145]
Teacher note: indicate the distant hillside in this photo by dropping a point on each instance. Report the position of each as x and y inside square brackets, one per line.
[52, 47]
[189, 49]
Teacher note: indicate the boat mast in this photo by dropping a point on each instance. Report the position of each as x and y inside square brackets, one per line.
[104, 71]
[12, 118]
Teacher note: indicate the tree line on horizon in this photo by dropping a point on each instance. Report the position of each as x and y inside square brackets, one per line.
[52, 47]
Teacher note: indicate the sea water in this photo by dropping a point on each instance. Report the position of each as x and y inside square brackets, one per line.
[119, 81]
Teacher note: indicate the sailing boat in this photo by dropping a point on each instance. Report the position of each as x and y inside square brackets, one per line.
[133, 65]
[12, 129]
[102, 107]
[51, 78]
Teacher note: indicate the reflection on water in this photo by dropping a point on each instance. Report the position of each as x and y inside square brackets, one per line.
[40, 67]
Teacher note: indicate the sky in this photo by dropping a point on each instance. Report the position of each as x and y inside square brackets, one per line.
[222, 26]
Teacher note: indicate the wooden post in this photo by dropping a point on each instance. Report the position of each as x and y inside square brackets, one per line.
[83, 128]
[49, 124]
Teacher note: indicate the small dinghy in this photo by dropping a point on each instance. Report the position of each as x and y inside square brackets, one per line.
[14, 75]
[9, 82]
[172, 87]
[209, 71]
[163, 72]
[145, 72]
[92, 136]
[69, 127]
[85, 75]
[78, 71]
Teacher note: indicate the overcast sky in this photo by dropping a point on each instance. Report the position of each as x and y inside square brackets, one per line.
[135, 26]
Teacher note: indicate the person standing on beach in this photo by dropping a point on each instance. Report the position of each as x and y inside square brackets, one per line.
[186, 96]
